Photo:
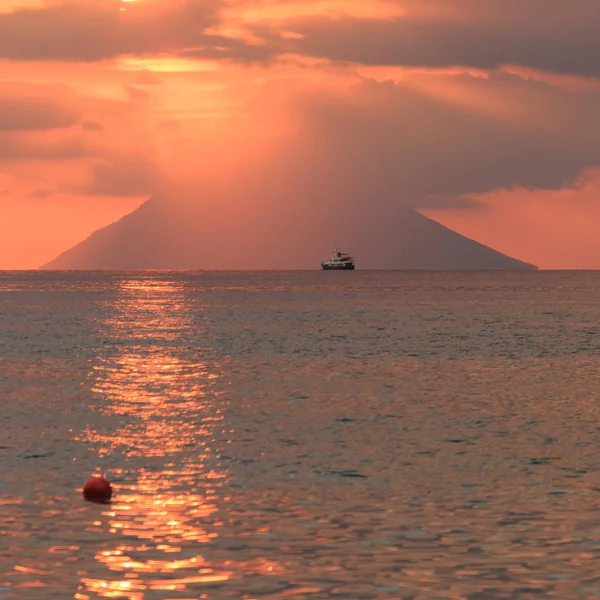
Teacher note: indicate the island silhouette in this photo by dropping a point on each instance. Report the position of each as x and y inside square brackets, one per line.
[189, 234]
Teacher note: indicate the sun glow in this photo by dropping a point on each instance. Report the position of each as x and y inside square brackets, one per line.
[166, 64]
[123, 9]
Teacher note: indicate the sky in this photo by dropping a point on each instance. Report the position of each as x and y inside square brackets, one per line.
[482, 114]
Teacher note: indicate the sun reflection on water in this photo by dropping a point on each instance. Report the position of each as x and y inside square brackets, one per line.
[161, 413]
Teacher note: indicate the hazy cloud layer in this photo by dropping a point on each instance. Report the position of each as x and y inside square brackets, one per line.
[425, 142]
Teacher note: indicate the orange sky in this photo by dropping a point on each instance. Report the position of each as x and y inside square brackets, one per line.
[457, 107]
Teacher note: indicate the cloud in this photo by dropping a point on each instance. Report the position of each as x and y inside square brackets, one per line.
[217, 47]
[96, 30]
[541, 12]
[18, 146]
[430, 141]
[550, 35]
[426, 141]
[31, 107]
[56, 139]
[74, 166]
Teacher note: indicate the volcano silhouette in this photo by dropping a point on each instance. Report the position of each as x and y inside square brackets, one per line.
[162, 234]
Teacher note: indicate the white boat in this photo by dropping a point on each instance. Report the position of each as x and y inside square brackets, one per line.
[338, 261]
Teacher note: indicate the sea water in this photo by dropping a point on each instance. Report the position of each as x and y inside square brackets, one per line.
[300, 435]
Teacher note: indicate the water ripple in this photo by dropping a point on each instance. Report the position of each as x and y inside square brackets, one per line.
[293, 436]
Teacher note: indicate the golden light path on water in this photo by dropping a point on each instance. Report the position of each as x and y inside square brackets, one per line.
[166, 413]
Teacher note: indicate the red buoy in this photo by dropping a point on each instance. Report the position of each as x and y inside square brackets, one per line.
[97, 489]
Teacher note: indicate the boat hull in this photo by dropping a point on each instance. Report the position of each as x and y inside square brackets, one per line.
[337, 267]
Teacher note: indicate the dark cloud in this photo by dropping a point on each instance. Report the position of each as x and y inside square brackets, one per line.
[528, 13]
[550, 35]
[97, 30]
[395, 142]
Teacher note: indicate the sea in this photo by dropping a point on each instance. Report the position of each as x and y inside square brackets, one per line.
[300, 435]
